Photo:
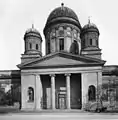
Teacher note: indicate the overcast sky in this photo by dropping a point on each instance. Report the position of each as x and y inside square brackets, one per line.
[16, 16]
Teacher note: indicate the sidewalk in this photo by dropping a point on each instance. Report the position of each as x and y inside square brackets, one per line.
[11, 109]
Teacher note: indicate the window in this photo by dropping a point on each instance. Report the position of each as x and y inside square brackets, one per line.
[30, 45]
[90, 42]
[92, 93]
[61, 43]
[96, 42]
[74, 49]
[30, 94]
[48, 47]
[37, 47]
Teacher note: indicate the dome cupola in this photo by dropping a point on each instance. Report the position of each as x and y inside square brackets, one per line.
[90, 36]
[90, 27]
[90, 40]
[61, 30]
[33, 45]
[33, 41]
[32, 32]
[62, 14]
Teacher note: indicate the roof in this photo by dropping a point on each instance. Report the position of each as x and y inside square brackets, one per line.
[8, 74]
[32, 32]
[62, 14]
[59, 60]
[90, 27]
[110, 70]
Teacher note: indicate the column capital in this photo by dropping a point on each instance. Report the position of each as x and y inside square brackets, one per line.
[52, 75]
[37, 74]
[67, 74]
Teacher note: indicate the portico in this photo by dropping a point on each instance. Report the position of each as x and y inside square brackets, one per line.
[62, 83]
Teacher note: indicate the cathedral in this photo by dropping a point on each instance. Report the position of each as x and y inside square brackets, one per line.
[70, 74]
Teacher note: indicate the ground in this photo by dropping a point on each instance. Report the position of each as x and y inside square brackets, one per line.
[57, 116]
[13, 114]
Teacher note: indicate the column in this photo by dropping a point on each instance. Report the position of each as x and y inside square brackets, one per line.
[53, 90]
[84, 88]
[99, 84]
[68, 90]
[38, 93]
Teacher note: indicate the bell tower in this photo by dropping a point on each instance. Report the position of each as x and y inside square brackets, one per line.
[33, 45]
[90, 41]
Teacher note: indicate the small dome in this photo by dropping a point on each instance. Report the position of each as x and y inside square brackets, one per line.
[32, 32]
[90, 27]
[64, 14]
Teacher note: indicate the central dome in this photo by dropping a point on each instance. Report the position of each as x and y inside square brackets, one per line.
[63, 14]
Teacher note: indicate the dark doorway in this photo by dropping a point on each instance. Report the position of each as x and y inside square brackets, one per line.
[46, 84]
[75, 91]
[60, 86]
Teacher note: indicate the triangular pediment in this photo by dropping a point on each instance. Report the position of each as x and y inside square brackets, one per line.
[60, 60]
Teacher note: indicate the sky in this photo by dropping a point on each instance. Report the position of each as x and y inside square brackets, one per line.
[16, 16]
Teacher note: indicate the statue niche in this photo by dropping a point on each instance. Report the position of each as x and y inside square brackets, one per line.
[30, 94]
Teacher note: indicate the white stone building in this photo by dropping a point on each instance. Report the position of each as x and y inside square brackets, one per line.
[69, 75]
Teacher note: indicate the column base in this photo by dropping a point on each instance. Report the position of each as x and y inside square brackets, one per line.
[53, 109]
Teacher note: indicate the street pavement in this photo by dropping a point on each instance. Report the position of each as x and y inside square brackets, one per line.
[11, 113]
[58, 115]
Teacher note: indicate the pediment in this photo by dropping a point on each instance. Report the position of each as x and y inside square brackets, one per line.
[60, 60]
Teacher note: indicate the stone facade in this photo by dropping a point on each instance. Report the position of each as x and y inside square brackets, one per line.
[63, 71]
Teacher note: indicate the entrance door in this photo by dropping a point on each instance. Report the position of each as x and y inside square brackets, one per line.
[62, 102]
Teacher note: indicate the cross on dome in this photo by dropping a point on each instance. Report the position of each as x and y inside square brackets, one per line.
[32, 26]
[89, 20]
[62, 4]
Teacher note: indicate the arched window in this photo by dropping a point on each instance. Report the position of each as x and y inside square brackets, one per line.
[48, 46]
[37, 47]
[30, 45]
[30, 94]
[74, 49]
[96, 42]
[61, 43]
[91, 42]
[92, 93]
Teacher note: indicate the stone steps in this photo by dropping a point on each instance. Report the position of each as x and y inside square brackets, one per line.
[54, 111]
